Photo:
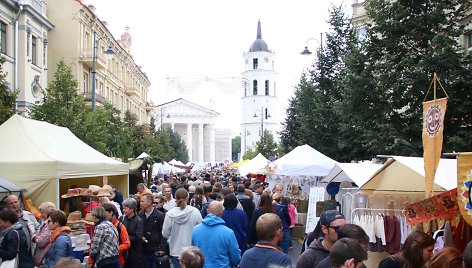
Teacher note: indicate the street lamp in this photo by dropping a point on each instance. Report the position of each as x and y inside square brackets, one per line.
[306, 51]
[168, 116]
[109, 53]
[264, 114]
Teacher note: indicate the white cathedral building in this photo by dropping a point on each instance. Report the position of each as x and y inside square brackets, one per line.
[259, 102]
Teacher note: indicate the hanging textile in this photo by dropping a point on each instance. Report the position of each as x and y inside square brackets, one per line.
[464, 185]
[440, 206]
[433, 125]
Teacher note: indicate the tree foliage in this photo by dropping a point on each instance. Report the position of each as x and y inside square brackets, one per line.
[364, 97]
[235, 147]
[7, 97]
[104, 129]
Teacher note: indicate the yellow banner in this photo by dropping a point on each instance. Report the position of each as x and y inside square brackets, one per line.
[433, 125]
[464, 183]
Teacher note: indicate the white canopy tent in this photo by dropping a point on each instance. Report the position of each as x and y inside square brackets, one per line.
[254, 165]
[359, 173]
[406, 174]
[303, 161]
[36, 155]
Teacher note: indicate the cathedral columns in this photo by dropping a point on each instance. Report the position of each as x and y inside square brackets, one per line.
[189, 141]
[200, 143]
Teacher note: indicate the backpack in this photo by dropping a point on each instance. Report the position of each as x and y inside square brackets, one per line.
[197, 202]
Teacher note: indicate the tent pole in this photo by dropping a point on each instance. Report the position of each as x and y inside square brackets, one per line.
[58, 204]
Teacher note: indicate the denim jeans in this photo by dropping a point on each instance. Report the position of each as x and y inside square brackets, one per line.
[175, 262]
[286, 238]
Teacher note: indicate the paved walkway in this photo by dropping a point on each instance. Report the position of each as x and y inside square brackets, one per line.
[295, 252]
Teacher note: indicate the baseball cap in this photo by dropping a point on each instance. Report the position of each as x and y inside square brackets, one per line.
[329, 216]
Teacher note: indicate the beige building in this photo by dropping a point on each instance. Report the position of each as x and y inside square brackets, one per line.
[24, 29]
[119, 81]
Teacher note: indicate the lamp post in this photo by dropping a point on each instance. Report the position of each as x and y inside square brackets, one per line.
[109, 54]
[306, 51]
[162, 112]
[264, 114]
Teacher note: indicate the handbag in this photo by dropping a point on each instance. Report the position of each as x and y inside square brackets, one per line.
[13, 263]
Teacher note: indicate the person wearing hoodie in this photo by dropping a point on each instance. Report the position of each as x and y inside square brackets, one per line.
[178, 225]
[217, 242]
[330, 222]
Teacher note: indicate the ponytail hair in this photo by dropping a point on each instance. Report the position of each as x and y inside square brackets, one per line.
[181, 197]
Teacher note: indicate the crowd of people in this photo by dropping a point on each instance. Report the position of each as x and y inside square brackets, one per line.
[195, 221]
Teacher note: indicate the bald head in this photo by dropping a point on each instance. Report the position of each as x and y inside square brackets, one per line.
[13, 202]
[216, 208]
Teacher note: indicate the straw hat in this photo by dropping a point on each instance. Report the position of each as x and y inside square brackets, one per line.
[80, 243]
[71, 193]
[94, 188]
[103, 193]
[89, 219]
[74, 217]
[85, 192]
[110, 190]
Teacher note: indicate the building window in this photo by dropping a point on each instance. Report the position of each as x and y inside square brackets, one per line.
[85, 83]
[254, 87]
[245, 88]
[100, 88]
[267, 87]
[122, 104]
[34, 54]
[3, 37]
[255, 63]
[44, 52]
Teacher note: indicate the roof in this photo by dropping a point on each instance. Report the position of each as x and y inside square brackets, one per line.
[259, 44]
[207, 111]
[406, 174]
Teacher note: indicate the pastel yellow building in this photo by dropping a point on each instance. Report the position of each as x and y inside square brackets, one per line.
[24, 28]
[119, 81]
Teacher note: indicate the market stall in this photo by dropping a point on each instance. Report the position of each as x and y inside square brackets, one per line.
[255, 165]
[46, 160]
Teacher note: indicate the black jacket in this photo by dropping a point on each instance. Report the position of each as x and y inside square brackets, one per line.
[134, 226]
[152, 231]
[10, 244]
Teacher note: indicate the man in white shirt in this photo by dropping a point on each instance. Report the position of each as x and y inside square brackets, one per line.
[169, 201]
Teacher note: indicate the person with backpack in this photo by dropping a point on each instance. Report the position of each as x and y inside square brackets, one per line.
[124, 242]
[198, 199]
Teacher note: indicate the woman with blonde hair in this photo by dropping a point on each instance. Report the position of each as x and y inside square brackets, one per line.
[42, 236]
[178, 225]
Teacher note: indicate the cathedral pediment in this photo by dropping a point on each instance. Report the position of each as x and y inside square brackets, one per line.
[184, 108]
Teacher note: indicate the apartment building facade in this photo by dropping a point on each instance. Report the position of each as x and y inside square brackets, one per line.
[119, 81]
[24, 28]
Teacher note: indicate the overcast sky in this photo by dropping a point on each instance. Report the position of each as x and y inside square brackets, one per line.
[199, 42]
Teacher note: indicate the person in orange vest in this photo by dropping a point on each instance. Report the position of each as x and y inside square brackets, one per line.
[124, 241]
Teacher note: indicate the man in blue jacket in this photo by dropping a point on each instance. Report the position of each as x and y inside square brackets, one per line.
[217, 242]
[267, 253]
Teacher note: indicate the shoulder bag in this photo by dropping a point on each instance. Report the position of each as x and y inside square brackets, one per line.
[13, 263]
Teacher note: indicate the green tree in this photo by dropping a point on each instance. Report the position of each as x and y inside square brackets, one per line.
[235, 147]
[314, 116]
[7, 98]
[267, 145]
[250, 154]
[407, 42]
[62, 106]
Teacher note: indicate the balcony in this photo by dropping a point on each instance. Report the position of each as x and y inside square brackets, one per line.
[99, 99]
[131, 89]
[149, 107]
[87, 59]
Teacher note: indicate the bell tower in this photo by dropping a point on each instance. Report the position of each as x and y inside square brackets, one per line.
[259, 101]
